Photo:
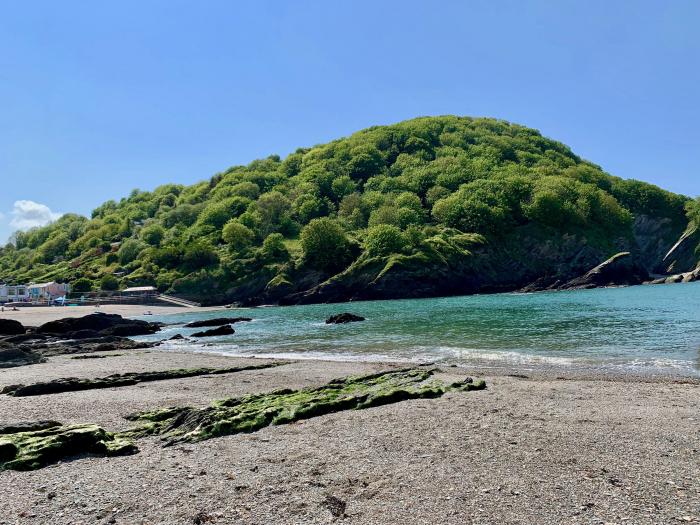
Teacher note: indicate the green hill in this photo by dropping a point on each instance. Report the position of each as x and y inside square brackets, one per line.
[429, 206]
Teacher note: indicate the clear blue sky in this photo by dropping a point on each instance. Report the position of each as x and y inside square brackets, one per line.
[97, 98]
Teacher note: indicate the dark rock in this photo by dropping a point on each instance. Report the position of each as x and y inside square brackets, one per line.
[202, 517]
[335, 506]
[620, 270]
[344, 318]
[11, 327]
[8, 451]
[86, 346]
[11, 356]
[85, 334]
[219, 321]
[177, 337]
[73, 384]
[27, 426]
[104, 324]
[222, 330]
[687, 277]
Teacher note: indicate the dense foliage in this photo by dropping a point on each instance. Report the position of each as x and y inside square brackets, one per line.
[404, 189]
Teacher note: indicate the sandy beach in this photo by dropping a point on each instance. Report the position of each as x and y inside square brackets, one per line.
[542, 448]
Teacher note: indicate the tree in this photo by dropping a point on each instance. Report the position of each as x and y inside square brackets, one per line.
[237, 236]
[693, 210]
[365, 162]
[273, 248]
[129, 251]
[273, 208]
[219, 213]
[82, 285]
[199, 255]
[342, 186]
[324, 244]
[153, 234]
[109, 282]
[384, 239]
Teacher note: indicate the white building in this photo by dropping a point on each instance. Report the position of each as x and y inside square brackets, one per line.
[13, 293]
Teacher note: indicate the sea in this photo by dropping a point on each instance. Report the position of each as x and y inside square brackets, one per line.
[646, 329]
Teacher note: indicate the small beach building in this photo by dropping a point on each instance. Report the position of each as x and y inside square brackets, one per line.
[13, 293]
[140, 291]
[47, 292]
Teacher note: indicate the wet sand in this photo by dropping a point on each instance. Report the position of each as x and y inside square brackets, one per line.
[545, 448]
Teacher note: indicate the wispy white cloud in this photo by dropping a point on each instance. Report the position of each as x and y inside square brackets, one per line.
[29, 214]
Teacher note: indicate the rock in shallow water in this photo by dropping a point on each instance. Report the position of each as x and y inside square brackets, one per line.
[217, 322]
[344, 318]
[222, 330]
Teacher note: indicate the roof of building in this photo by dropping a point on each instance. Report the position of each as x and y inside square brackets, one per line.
[140, 289]
[40, 285]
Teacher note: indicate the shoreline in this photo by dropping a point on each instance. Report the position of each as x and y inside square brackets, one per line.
[589, 372]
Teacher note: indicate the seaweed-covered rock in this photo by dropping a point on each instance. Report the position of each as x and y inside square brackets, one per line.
[221, 330]
[74, 384]
[30, 450]
[11, 356]
[11, 327]
[253, 412]
[344, 318]
[219, 321]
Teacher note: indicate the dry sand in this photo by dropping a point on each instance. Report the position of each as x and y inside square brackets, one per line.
[535, 450]
[36, 315]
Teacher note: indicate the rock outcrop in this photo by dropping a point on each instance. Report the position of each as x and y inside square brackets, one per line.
[687, 277]
[97, 324]
[620, 270]
[92, 333]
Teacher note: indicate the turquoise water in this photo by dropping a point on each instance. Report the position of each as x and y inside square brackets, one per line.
[647, 328]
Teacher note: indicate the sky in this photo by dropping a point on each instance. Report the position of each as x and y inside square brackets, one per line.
[99, 98]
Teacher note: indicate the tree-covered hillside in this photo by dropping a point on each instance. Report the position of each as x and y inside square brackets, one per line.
[428, 206]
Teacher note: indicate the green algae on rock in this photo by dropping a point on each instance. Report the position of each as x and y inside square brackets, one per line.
[34, 449]
[72, 384]
[255, 411]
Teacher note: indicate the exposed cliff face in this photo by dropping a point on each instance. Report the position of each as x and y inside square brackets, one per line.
[663, 246]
